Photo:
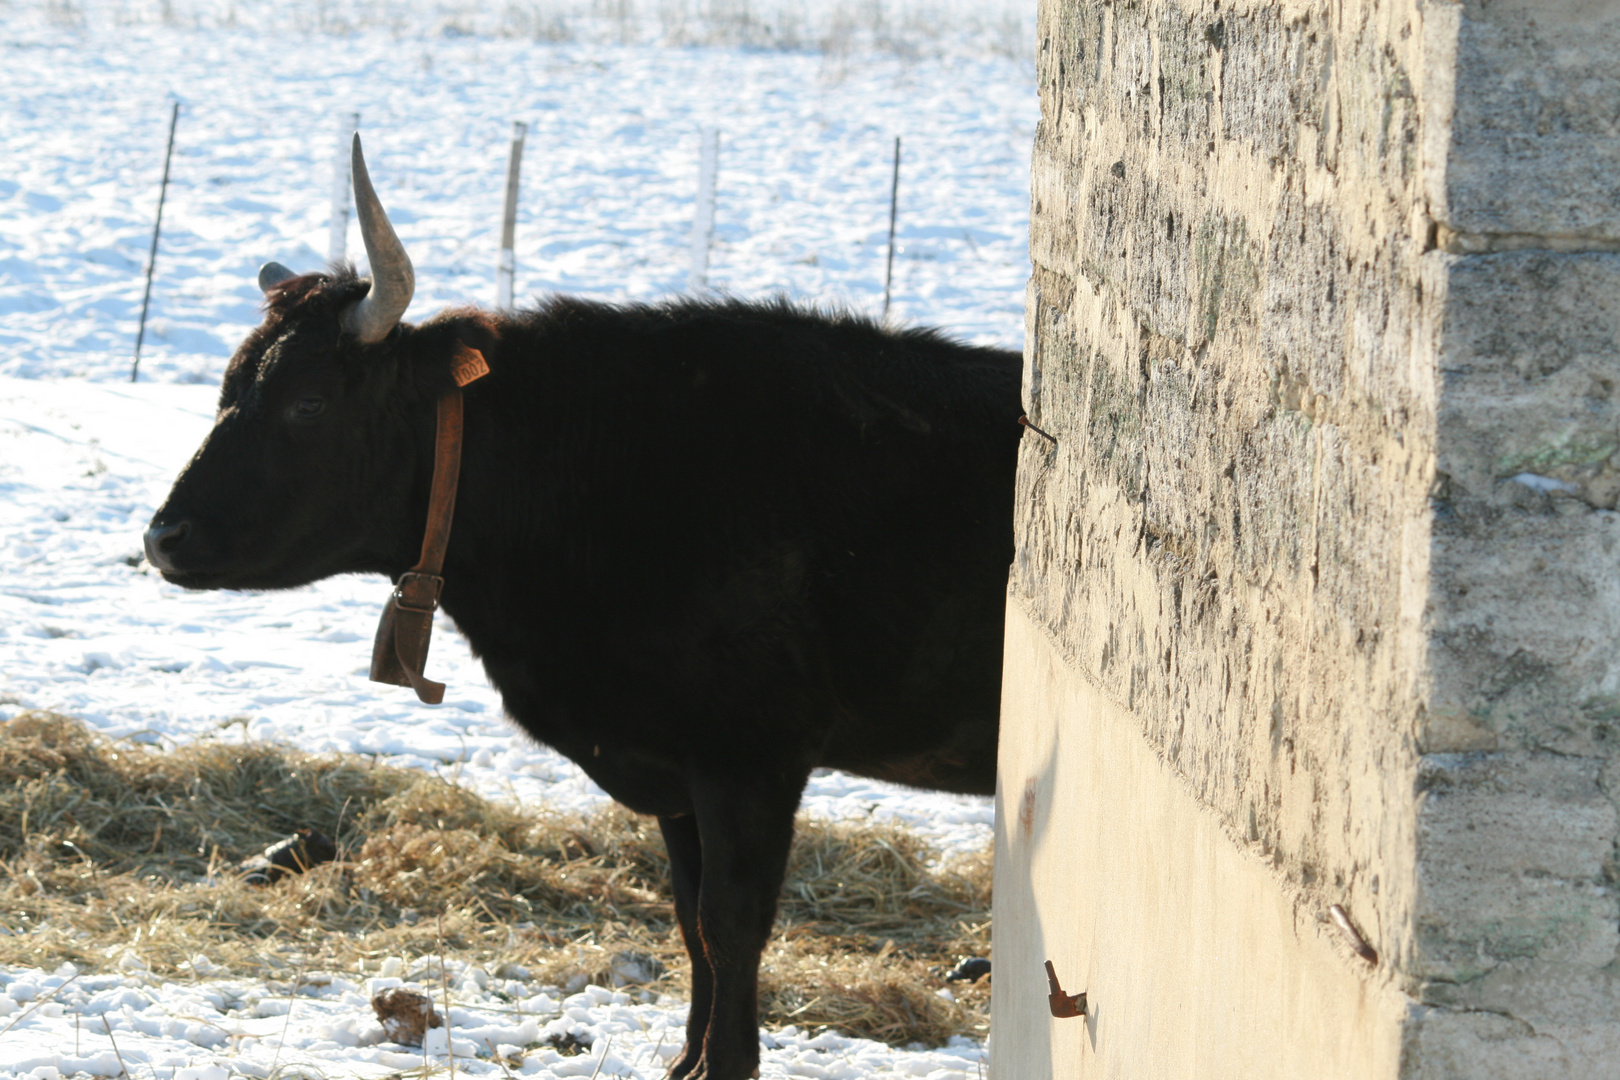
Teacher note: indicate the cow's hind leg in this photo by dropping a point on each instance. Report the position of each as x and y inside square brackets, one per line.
[685, 871]
[746, 827]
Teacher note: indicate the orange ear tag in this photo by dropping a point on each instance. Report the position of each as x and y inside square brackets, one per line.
[467, 365]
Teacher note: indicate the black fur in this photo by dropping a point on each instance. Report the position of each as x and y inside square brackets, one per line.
[701, 547]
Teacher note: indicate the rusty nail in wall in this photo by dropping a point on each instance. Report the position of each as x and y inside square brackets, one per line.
[1063, 1005]
[1348, 929]
[1025, 421]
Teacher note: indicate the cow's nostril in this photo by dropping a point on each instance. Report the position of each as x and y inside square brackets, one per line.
[162, 541]
[172, 535]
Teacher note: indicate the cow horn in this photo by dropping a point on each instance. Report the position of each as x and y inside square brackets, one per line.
[272, 274]
[392, 280]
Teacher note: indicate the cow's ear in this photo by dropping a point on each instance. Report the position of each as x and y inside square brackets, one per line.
[452, 351]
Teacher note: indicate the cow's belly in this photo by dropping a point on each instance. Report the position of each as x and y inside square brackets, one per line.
[924, 748]
[641, 743]
[934, 771]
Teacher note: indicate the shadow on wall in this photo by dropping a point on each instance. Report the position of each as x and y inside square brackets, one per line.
[1021, 1016]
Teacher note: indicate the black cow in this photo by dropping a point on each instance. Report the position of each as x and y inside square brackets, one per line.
[702, 547]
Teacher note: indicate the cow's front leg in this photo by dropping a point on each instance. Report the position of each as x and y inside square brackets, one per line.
[685, 871]
[745, 825]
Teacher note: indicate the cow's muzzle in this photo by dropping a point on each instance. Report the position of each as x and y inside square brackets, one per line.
[164, 541]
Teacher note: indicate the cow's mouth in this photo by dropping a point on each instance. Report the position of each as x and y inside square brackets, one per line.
[194, 579]
[205, 557]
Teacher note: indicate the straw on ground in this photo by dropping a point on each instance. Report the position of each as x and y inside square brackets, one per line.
[112, 848]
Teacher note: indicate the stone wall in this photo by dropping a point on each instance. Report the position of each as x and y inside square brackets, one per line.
[1325, 320]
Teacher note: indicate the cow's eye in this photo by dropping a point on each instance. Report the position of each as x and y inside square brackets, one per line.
[308, 407]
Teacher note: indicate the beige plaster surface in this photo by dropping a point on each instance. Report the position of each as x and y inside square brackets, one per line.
[1198, 961]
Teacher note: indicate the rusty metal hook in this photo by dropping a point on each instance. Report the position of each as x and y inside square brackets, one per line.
[1063, 1005]
[1024, 420]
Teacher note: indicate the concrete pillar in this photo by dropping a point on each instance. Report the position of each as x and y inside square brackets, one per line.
[1316, 603]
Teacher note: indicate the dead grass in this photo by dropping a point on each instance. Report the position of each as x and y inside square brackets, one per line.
[112, 853]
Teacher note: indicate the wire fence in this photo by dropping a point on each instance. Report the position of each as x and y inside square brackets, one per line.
[609, 182]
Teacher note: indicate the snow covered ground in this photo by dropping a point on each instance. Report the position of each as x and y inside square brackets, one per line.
[609, 180]
[320, 1027]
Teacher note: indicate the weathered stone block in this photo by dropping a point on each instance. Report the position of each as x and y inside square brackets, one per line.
[1513, 854]
[1533, 159]
[1446, 1044]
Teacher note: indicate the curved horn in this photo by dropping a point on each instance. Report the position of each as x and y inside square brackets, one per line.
[272, 274]
[392, 280]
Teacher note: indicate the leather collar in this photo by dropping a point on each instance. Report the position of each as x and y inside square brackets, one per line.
[406, 628]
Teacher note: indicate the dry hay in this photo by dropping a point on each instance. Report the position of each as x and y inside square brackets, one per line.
[113, 853]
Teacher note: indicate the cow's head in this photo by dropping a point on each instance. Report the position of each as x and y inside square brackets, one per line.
[312, 466]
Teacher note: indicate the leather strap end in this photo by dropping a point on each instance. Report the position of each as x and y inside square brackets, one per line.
[429, 692]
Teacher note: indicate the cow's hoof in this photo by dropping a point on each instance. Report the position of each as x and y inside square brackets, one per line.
[685, 1064]
[703, 1070]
